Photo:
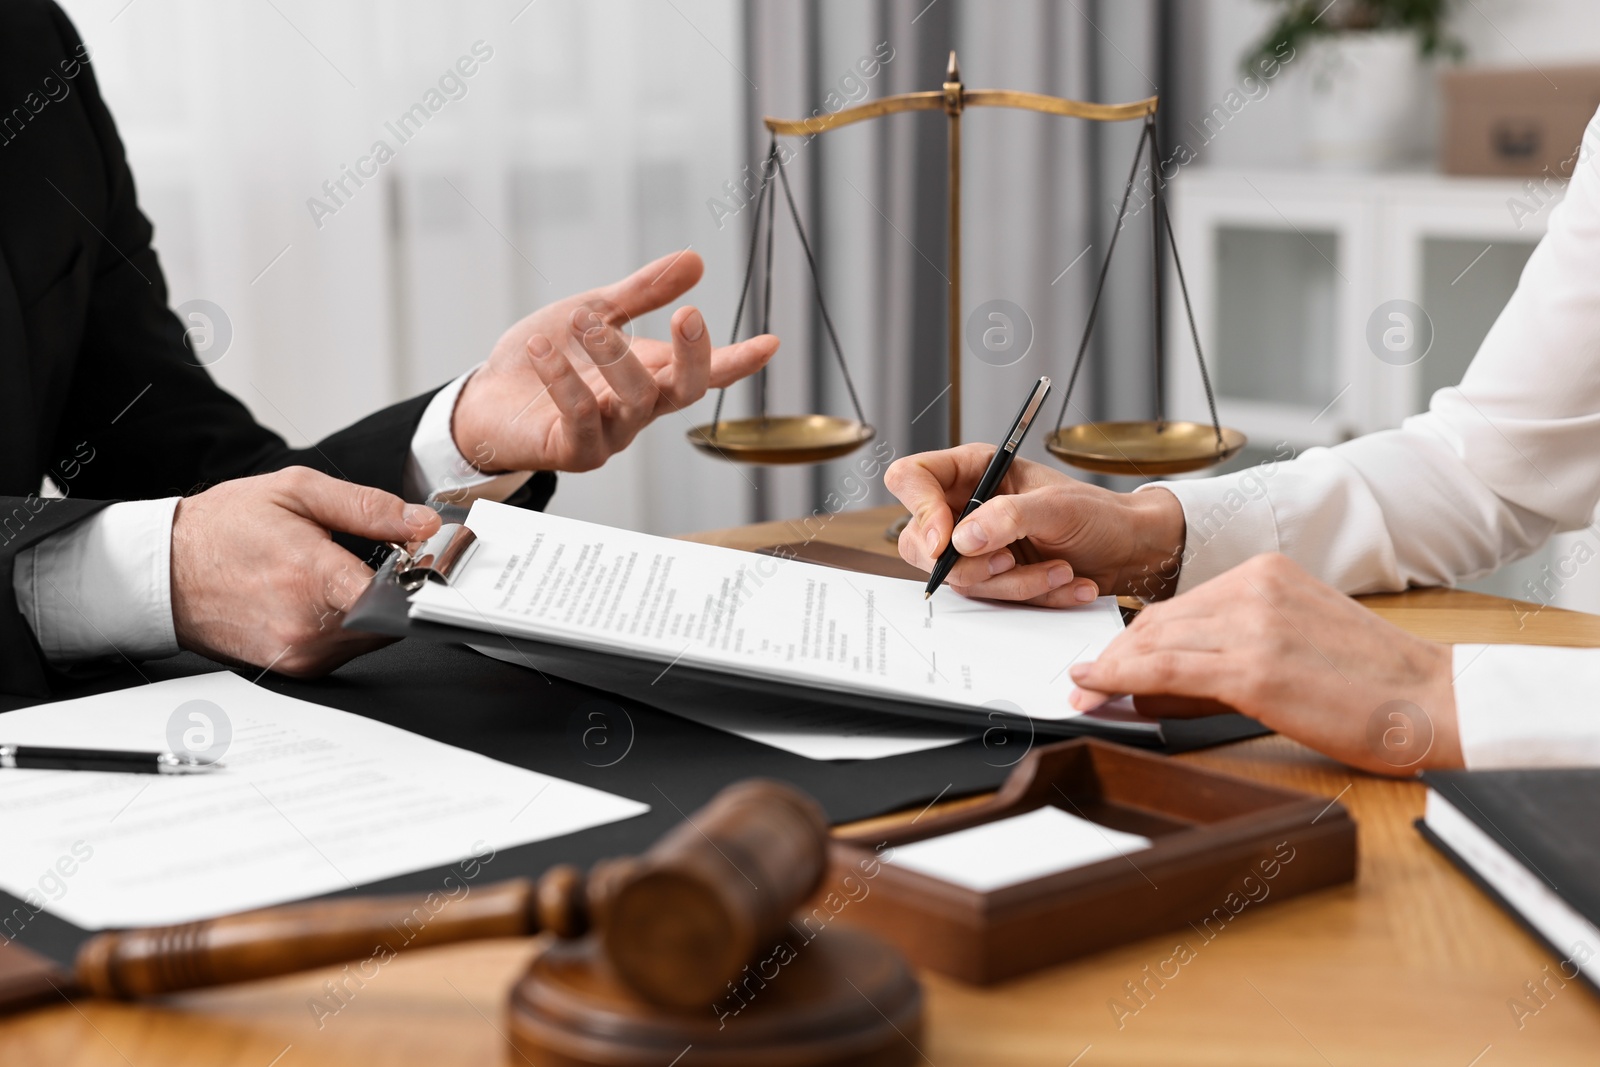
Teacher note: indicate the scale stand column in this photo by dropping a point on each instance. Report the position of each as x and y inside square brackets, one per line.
[954, 101]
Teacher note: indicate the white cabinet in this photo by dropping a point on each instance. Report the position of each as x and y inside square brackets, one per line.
[1288, 271]
[1334, 305]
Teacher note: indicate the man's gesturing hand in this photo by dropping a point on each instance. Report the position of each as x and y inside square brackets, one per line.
[257, 579]
[564, 389]
[1045, 538]
[1270, 641]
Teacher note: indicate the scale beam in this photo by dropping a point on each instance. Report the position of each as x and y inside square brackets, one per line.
[1057, 105]
[934, 101]
[872, 109]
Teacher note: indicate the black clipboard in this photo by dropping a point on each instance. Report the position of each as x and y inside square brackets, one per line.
[383, 608]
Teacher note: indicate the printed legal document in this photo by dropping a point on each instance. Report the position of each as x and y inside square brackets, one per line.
[561, 580]
[308, 800]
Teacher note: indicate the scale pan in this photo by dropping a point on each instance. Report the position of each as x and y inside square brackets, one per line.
[781, 438]
[1143, 448]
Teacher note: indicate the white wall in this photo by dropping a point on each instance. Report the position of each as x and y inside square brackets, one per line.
[1522, 32]
[1497, 33]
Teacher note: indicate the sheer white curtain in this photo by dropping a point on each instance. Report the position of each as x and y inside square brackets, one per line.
[558, 145]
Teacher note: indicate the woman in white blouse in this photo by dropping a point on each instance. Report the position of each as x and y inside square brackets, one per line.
[1259, 561]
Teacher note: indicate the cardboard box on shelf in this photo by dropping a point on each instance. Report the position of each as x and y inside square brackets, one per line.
[1516, 122]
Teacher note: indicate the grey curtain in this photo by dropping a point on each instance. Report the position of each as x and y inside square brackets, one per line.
[1039, 200]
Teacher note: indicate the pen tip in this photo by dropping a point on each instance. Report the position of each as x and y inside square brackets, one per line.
[925, 596]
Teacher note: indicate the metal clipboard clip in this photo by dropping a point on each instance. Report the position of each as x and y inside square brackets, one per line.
[434, 559]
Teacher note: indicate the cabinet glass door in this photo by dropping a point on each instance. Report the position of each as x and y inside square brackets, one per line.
[1465, 284]
[1277, 306]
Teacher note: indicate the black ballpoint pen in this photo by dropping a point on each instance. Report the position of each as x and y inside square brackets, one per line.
[992, 477]
[41, 758]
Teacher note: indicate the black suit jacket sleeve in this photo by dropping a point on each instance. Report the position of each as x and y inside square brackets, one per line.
[108, 398]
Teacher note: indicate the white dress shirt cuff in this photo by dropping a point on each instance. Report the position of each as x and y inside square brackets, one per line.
[1226, 521]
[102, 587]
[1527, 706]
[437, 471]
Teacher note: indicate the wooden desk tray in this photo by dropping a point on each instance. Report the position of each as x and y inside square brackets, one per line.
[1220, 846]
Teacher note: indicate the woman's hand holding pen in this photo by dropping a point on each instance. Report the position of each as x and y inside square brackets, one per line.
[1265, 639]
[1046, 539]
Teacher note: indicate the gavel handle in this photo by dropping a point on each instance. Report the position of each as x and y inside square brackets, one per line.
[281, 940]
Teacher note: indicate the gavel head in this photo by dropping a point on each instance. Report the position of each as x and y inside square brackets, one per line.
[681, 921]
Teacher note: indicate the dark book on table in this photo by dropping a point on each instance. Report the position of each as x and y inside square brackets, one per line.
[1530, 839]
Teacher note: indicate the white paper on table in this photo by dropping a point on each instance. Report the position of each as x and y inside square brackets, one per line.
[1018, 849]
[556, 579]
[309, 800]
[820, 732]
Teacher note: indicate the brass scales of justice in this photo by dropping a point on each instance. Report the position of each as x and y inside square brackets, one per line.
[1145, 448]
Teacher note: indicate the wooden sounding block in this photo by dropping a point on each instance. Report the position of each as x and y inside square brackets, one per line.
[847, 999]
[1219, 845]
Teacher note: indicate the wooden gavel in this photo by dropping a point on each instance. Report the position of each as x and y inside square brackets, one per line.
[676, 924]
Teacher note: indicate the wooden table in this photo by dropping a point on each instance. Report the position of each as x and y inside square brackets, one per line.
[1408, 965]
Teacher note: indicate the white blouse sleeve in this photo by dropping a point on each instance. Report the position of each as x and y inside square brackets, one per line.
[1527, 706]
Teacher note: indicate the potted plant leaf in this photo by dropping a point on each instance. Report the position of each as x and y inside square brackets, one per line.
[1367, 63]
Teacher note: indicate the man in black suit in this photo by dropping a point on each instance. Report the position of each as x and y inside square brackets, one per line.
[187, 524]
